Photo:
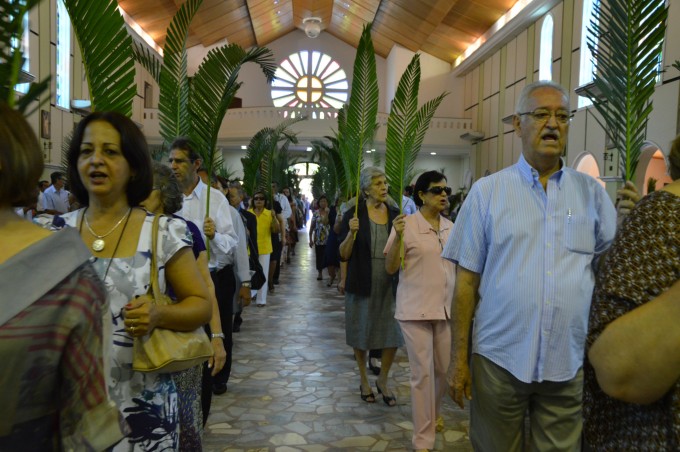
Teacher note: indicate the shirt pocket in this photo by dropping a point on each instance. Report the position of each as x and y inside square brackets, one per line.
[580, 234]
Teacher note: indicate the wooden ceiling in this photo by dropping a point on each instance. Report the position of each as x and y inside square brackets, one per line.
[442, 28]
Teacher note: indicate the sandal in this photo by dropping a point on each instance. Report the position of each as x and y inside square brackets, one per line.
[389, 400]
[368, 398]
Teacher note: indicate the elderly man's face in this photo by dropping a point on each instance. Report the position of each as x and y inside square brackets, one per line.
[543, 141]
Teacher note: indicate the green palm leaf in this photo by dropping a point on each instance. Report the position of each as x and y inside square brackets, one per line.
[148, 59]
[626, 45]
[406, 129]
[259, 160]
[173, 101]
[12, 57]
[107, 54]
[213, 89]
[357, 130]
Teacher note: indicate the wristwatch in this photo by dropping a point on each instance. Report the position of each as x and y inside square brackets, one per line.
[216, 335]
[245, 284]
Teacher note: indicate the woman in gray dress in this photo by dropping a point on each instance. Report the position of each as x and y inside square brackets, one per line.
[369, 290]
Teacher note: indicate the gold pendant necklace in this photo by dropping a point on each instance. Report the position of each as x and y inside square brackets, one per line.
[99, 244]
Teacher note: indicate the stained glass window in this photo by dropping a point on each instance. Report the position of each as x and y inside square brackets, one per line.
[310, 79]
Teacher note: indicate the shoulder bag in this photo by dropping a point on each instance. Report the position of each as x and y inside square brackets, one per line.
[165, 350]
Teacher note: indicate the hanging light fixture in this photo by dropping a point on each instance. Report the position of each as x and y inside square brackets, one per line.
[312, 26]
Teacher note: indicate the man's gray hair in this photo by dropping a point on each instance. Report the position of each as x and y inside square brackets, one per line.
[367, 175]
[171, 194]
[530, 88]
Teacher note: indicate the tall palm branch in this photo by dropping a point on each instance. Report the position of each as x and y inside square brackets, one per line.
[213, 89]
[258, 162]
[626, 43]
[12, 57]
[406, 128]
[106, 48]
[360, 125]
[327, 155]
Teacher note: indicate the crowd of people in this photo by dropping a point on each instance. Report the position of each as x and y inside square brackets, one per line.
[544, 305]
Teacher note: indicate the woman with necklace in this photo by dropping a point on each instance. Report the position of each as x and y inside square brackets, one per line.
[109, 168]
[369, 290]
[424, 295]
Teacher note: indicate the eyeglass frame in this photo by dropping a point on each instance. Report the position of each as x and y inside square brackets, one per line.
[550, 113]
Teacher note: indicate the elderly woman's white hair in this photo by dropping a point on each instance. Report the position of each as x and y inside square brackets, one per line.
[367, 175]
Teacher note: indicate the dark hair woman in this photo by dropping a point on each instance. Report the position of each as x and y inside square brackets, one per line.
[424, 295]
[267, 224]
[110, 172]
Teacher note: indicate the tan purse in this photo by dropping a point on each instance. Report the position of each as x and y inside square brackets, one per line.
[167, 350]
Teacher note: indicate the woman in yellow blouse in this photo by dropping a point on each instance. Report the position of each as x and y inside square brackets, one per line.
[266, 226]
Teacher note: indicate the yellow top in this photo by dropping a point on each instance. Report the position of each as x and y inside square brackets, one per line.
[264, 231]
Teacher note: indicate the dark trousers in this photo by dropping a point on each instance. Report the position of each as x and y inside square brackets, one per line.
[225, 286]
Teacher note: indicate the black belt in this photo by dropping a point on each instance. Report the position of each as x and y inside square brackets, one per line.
[226, 267]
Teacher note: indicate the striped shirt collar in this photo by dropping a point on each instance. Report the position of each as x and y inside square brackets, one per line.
[530, 174]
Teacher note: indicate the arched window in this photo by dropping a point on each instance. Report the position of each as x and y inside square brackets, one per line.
[63, 56]
[587, 67]
[310, 79]
[545, 58]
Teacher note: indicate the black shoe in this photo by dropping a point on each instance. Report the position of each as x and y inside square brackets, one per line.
[219, 388]
[276, 281]
[236, 328]
[374, 369]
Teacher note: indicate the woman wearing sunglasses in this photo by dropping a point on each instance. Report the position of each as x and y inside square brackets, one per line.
[424, 294]
[267, 224]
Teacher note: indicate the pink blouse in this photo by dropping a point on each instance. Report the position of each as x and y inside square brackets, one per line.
[426, 283]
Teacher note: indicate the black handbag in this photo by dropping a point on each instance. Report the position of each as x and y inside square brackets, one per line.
[257, 277]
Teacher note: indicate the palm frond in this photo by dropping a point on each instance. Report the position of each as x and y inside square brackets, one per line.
[213, 88]
[173, 82]
[107, 54]
[626, 45]
[12, 57]
[148, 59]
[406, 128]
[359, 125]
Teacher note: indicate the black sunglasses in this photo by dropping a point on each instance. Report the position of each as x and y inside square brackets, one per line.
[258, 198]
[438, 190]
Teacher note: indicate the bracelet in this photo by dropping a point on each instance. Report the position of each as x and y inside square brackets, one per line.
[216, 335]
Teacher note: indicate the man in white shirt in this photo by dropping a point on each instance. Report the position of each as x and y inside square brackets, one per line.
[286, 212]
[55, 198]
[408, 207]
[216, 228]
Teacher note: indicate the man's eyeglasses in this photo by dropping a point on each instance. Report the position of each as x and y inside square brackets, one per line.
[437, 190]
[258, 198]
[541, 116]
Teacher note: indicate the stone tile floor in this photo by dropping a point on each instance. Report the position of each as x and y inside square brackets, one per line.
[294, 384]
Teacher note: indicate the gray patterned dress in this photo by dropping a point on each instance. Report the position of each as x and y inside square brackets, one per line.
[369, 321]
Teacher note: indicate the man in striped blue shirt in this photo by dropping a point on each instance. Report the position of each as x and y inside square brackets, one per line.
[525, 242]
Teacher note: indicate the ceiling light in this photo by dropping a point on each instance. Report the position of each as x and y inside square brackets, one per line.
[433, 153]
[309, 149]
[312, 26]
[244, 147]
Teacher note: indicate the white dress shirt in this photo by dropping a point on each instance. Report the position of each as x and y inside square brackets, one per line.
[194, 209]
[238, 256]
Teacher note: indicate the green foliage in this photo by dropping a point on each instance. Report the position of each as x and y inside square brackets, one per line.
[406, 128]
[628, 38]
[327, 155]
[259, 162]
[106, 48]
[173, 105]
[213, 89]
[651, 185]
[12, 58]
[357, 122]
[322, 183]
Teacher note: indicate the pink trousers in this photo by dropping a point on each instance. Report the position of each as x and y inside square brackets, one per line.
[428, 343]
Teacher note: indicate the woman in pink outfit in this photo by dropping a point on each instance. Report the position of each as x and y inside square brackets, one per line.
[424, 294]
